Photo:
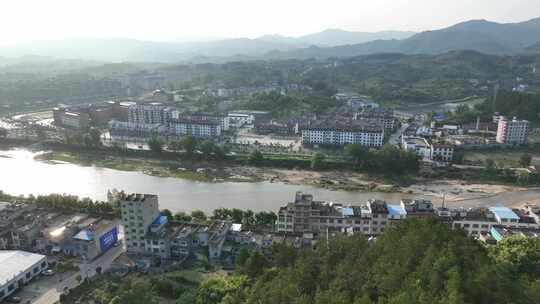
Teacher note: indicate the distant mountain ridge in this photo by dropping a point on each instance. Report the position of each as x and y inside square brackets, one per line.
[123, 49]
[478, 35]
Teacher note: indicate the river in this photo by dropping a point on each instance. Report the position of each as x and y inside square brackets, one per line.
[22, 174]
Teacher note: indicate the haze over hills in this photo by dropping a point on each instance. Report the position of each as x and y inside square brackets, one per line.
[478, 35]
[123, 49]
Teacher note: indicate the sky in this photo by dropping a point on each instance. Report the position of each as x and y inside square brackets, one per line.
[161, 20]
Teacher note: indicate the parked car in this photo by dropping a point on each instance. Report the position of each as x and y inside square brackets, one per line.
[13, 300]
[48, 272]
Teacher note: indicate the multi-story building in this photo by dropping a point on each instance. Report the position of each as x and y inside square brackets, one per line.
[379, 116]
[95, 239]
[441, 155]
[150, 113]
[196, 126]
[512, 132]
[139, 212]
[71, 119]
[18, 268]
[342, 133]
[121, 130]
[305, 215]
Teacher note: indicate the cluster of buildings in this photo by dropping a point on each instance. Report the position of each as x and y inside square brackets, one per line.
[438, 154]
[366, 128]
[87, 115]
[18, 268]
[269, 88]
[306, 215]
[26, 227]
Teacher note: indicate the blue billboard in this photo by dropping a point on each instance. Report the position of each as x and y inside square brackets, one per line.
[108, 239]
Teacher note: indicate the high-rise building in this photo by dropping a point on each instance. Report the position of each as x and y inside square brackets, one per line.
[139, 212]
[150, 113]
[512, 132]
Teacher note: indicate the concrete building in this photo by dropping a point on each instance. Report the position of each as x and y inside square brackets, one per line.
[121, 130]
[512, 132]
[342, 133]
[378, 116]
[139, 212]
[149, 113]
[305, 215]
[196, 126]
[442, 155]
[94, 240]
[71, 119]
[17, 268]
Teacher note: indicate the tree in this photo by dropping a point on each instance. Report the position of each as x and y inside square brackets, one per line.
[189, 144]
[182, 217]
[255, 158]
[198, 215]
[356, 153]
[525, 160]
[168, 214]
[317, 161]
[207, 148]
[156, 145]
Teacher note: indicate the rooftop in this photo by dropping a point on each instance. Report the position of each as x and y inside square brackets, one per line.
[504, 213]
[14, 262]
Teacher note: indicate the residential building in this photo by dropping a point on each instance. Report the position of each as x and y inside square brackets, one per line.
[95, 239]
[499, 233]
[149, 113]
[379, 116]
[121, 130]
[196, 126]
[342, 133]
[512, 132]
[17, 269]
[418, 208]
[441, 154]
[139, 212]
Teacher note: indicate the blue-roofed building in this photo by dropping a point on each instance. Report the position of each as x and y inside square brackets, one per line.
[396, 212]
[499, 233]
[94, 240]
[504, 215]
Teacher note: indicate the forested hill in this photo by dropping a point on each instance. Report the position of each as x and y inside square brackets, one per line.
[420, 261]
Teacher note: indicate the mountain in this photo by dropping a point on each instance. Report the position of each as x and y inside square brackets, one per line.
[336, 37]
[213, 49]
[478, 35]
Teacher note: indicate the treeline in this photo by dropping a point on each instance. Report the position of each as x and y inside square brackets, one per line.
[65, 203]
[510, 104]
[250, 219]
[419, 261]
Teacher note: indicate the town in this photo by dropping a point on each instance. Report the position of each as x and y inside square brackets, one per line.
[46, 246]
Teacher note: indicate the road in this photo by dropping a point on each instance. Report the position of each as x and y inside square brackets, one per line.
[47, 290]
[395, 139]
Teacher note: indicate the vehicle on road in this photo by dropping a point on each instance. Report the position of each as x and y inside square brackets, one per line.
[13, 300]
[48, 272]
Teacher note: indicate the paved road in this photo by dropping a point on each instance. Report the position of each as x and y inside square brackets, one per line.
[395, 139]
[47, 290]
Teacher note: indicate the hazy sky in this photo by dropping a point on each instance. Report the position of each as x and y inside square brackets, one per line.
[24, 20]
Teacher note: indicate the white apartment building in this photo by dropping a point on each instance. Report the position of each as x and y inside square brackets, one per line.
[150, 113]
[512, 132]
[139, 212]
[238, 120]
[368, 136]
[196, 127]
[441, 155]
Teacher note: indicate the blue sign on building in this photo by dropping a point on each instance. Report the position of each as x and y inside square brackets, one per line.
[108, 239]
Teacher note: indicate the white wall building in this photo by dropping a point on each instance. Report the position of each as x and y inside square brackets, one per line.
[512, 132]
[369, 136]
[150, 113]
[139, 212]
[17, 268]
[199, 128]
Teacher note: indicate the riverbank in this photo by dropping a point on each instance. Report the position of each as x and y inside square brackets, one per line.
[455, 192]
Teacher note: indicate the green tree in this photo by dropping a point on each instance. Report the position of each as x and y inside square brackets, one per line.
[525, 160]
[256, 158]
[198, 215]
[317, 161]
[168, 214]
[189, 144]
[155, 145]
